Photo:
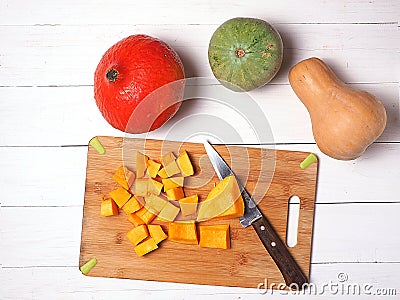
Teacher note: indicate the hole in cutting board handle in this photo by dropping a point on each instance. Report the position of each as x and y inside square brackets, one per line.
[292, 225]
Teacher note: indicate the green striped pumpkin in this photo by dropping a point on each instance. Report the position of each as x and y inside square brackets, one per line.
[245, 53]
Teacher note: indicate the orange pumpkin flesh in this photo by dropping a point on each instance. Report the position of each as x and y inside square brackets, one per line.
[108, 208]
[185, 164]
[124, 177]
[135, 220]
[131, 206]
[120, 196]
[128, 73]
[183, 232]
[147, 204]
[175, 193]
[137, 234]
[146, 247]
[157, 233]
[189, 205]
[215, 236]
[141, 164]
[224, 201]
[152, 168]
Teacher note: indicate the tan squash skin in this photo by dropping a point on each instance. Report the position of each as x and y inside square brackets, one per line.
[345, 121]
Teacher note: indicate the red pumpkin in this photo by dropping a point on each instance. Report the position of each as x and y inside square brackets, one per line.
[126, 82]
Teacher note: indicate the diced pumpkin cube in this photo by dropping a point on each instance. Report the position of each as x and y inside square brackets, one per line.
[215, 236]
[172, 169]
[183, 232]
[137, 234]
[162, 173]
[168, 213]
[154, 187]
[152, 168]
[170, 183]
[189, 205]
[108, 208]
[155, 203]
[124, 177]
[132, 205]
[120, 196]
[223, 201]
[184, 164]
[175, 193]
[141, 164]
[146, 215]
[146, 247]
[141, 187]
[135, 220]
[157, 233]
[167, 158]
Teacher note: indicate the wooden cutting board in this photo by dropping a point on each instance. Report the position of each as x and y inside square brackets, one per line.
[247, 263]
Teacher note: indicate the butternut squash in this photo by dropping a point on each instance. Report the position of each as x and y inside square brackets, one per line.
[345, 121]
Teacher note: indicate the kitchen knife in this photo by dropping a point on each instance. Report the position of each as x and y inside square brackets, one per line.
[291, 271]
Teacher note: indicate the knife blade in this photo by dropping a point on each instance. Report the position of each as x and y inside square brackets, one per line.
[293, 275]
[222, 170]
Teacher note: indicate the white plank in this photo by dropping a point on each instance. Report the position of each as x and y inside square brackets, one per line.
[50, 236]
[194, 12]
[68, 55]
[356, 233]
[50, 116]
[55, 176]
[68, 283]
[43, 176]
[370, 178]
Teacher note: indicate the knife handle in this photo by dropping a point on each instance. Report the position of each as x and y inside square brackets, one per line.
[284, 260]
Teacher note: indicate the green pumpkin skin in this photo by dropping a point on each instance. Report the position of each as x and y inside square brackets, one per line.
[245, 53]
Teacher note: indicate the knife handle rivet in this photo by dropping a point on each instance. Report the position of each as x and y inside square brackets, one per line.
[262, 227]
[273, 244]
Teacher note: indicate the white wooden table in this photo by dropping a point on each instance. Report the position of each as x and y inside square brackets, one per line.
[48, 53]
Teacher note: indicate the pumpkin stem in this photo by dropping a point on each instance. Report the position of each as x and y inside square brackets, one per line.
[112, 75]
[240, 53]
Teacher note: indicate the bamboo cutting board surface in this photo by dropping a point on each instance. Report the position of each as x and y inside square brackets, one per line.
[247, 263]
